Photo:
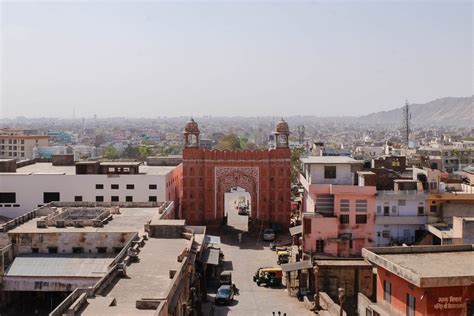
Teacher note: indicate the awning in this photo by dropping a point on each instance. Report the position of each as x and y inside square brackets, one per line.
[209, 239]
[295, 266]
[210, 256]
[296, 230]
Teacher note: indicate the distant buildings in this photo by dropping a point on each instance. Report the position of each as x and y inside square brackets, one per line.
[20, 144]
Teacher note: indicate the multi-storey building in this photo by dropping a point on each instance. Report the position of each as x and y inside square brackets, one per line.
[338, 207]
[20, 144]
[33, 185]
[421, 280]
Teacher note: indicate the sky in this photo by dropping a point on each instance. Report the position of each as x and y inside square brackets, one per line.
[150, 59]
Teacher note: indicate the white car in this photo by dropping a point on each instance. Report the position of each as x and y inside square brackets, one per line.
[268, 234]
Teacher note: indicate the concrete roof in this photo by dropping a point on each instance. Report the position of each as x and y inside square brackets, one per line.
[129, 220]
[343, 263]
[295, 266]
[427, 266]
[60, 265]
[148, 278]
[48, 168]
[330, 160]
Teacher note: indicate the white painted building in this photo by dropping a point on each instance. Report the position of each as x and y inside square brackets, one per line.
[400, 217]
[34, 185]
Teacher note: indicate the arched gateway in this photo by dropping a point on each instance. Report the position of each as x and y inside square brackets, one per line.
[208, 174]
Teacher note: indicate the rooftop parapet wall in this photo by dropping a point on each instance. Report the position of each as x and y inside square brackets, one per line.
[238, 155]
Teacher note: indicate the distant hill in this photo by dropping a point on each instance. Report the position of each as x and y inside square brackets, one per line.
[448, 111]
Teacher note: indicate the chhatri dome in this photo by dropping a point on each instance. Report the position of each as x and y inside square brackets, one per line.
[282, 127]
[191, 127]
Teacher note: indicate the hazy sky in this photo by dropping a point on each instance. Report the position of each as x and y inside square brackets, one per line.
[231, 58]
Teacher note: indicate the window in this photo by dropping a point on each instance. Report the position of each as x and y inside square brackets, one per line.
[114, 198]
[7, 197]
[386, 234]
[152, 186]
[344, 205]
[361, 205]
[329, 172]
[386, 210]
[99, 198]
[130, 186]
[319, 246]
[78, 198]
[34, 250]
[379, 209]
[114, 186]
[101, 249]
[325, 204]
[152, 198]
[22, 147]
[306, 225]
[411, 300]
[421, 210]
[22, 141]
[344, 219]
[433, 208]
[77, 250]
[23, 154]
[129, 198]
[361, 219]
[394, 209]
[99, 186]
[52, 249]
[387, 291]
[402, 202]
[50, 197]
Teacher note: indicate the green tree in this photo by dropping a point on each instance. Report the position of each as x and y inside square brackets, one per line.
[144, 152]
[295, 164]
[131, 152]
[229, 141]
[110, 152]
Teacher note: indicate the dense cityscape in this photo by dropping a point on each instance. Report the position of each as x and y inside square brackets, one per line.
[279, 158]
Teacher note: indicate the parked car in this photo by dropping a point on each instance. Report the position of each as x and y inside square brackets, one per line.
[268, 234]
[225, 295]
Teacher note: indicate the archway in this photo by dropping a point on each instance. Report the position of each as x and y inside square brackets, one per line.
[238, 208]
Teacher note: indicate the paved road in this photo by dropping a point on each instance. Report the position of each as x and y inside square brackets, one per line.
[243, 259]
[233, 218]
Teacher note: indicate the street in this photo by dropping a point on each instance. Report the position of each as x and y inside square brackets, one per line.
[243, 259]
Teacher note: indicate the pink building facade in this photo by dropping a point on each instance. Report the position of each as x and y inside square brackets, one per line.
[338, 215]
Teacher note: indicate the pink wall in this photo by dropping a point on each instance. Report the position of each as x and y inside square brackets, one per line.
[330, 228]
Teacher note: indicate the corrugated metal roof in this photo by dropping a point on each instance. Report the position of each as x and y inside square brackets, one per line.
[211, 256]
[295, 266]
[67, 265]
[296, 230]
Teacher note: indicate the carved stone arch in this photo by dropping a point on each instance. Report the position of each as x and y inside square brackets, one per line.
[246, 178]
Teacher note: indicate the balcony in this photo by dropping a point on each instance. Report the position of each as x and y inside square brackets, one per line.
[401, 220]
[402, 193]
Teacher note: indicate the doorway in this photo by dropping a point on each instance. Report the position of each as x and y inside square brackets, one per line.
[237, 208]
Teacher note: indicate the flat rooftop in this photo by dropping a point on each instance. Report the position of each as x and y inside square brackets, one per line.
[330, 160]
[427, 266]
[48, 168]
[130, 219]
[148, 278]
[60, 265]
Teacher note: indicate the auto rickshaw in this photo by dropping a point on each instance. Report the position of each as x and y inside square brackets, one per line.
[283, 257]
[268, 276]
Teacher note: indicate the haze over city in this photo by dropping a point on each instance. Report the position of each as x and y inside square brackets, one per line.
[154, 59]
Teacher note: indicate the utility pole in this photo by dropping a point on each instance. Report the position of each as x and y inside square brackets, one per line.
[406, 122]
[301, 133]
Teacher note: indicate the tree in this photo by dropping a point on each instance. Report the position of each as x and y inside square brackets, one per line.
[144, 152]
[130, 152]
[110, 152]
[295, 163]
[229, 142]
